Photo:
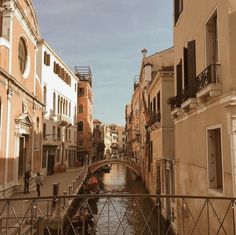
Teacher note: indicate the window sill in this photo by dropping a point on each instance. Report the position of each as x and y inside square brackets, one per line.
[216, 192]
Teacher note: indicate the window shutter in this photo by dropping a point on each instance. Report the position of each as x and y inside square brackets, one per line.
[185, 53]
[1, 19]
[192, 68]
[45, 58]
[179, 78]
[176, 7]
[48, 59]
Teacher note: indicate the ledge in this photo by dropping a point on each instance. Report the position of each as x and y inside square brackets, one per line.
[211, 90]
[189, 104]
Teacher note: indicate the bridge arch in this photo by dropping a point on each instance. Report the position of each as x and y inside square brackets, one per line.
[132, 166]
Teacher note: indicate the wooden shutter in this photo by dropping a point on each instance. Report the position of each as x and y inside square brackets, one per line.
[179, 78]
[185, 53]
[176, 7]
[192, 68]
[158, 102]
[45, 58]
[48, 59]
[1, 19]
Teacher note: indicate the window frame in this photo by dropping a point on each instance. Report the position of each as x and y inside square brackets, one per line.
[23, 62]
[215, 190]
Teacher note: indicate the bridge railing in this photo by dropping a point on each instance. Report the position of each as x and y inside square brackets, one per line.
[118, 214]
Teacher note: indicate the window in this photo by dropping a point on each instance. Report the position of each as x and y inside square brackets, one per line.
[37, 123]
[158, 103]
[58, 104]
[46, 59]
[54, 103]
[191, 69]
[58, 133]
[44, 130]
[75, 87]
[215, 170]
[80, 126]
[75, 136]
[179, 82]
[45, 94]
[69, 109]
[81, 108]
[69, 136]
[22, 55]
[54, 132]
[154, 105]
[81, 143]
[212, 40]
[178, 7]
[81, 91]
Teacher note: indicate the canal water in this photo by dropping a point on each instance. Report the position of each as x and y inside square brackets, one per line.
[124, 215]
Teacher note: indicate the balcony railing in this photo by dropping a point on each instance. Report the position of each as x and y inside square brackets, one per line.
[154, 118]
[173, 214]
[175, 102]
[64, 119]
[208, 76]
[189, 92]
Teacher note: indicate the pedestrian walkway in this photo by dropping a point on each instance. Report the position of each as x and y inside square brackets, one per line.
[64, 179]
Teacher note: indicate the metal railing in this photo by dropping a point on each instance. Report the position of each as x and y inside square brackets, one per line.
[209, 75]
[77, 214]
[175, 102]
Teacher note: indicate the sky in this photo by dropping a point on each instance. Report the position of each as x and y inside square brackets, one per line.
[107, 35]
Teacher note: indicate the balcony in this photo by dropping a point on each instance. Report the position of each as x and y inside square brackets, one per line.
[154, 119]
[208, 82]
[175, 106]
[63, 120]
[189, 100]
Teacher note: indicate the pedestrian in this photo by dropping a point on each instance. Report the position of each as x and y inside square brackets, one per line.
[39, 183]
[27, 180]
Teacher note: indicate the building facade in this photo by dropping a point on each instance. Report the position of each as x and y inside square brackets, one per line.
[21, 103]
[203, 108]
[117, 139]
[85, 114]
[60, 113]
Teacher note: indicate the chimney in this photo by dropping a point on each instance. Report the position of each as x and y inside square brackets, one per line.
[144, 51]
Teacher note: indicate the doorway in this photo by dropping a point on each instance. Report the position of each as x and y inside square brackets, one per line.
[51, 163]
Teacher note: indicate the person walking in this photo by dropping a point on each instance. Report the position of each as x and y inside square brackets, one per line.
[27, 177]
[39, 183]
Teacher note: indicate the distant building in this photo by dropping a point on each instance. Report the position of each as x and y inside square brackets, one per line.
[85, 114]
[21, 103]
[60, 112]
[118, 139]
[98, 140]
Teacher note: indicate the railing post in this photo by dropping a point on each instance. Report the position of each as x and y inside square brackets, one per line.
[40, 226]
[233, 208]
[208, 217]
[55, 192]
[183, 214]
[158, 216]
[74, 186]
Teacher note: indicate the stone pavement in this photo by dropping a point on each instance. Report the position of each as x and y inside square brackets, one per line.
[64, 179]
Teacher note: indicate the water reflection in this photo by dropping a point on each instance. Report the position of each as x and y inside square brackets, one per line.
[123, 215]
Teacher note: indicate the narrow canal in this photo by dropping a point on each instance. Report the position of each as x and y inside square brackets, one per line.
[124, 215]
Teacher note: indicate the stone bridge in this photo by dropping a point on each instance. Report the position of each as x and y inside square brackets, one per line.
[135, 167]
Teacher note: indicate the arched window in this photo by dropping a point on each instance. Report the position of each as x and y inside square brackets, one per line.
[54, 103]
[45, 94]
[81, 108]
[22, 55]
[58, 104]
[80, 126]
[66, 107]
